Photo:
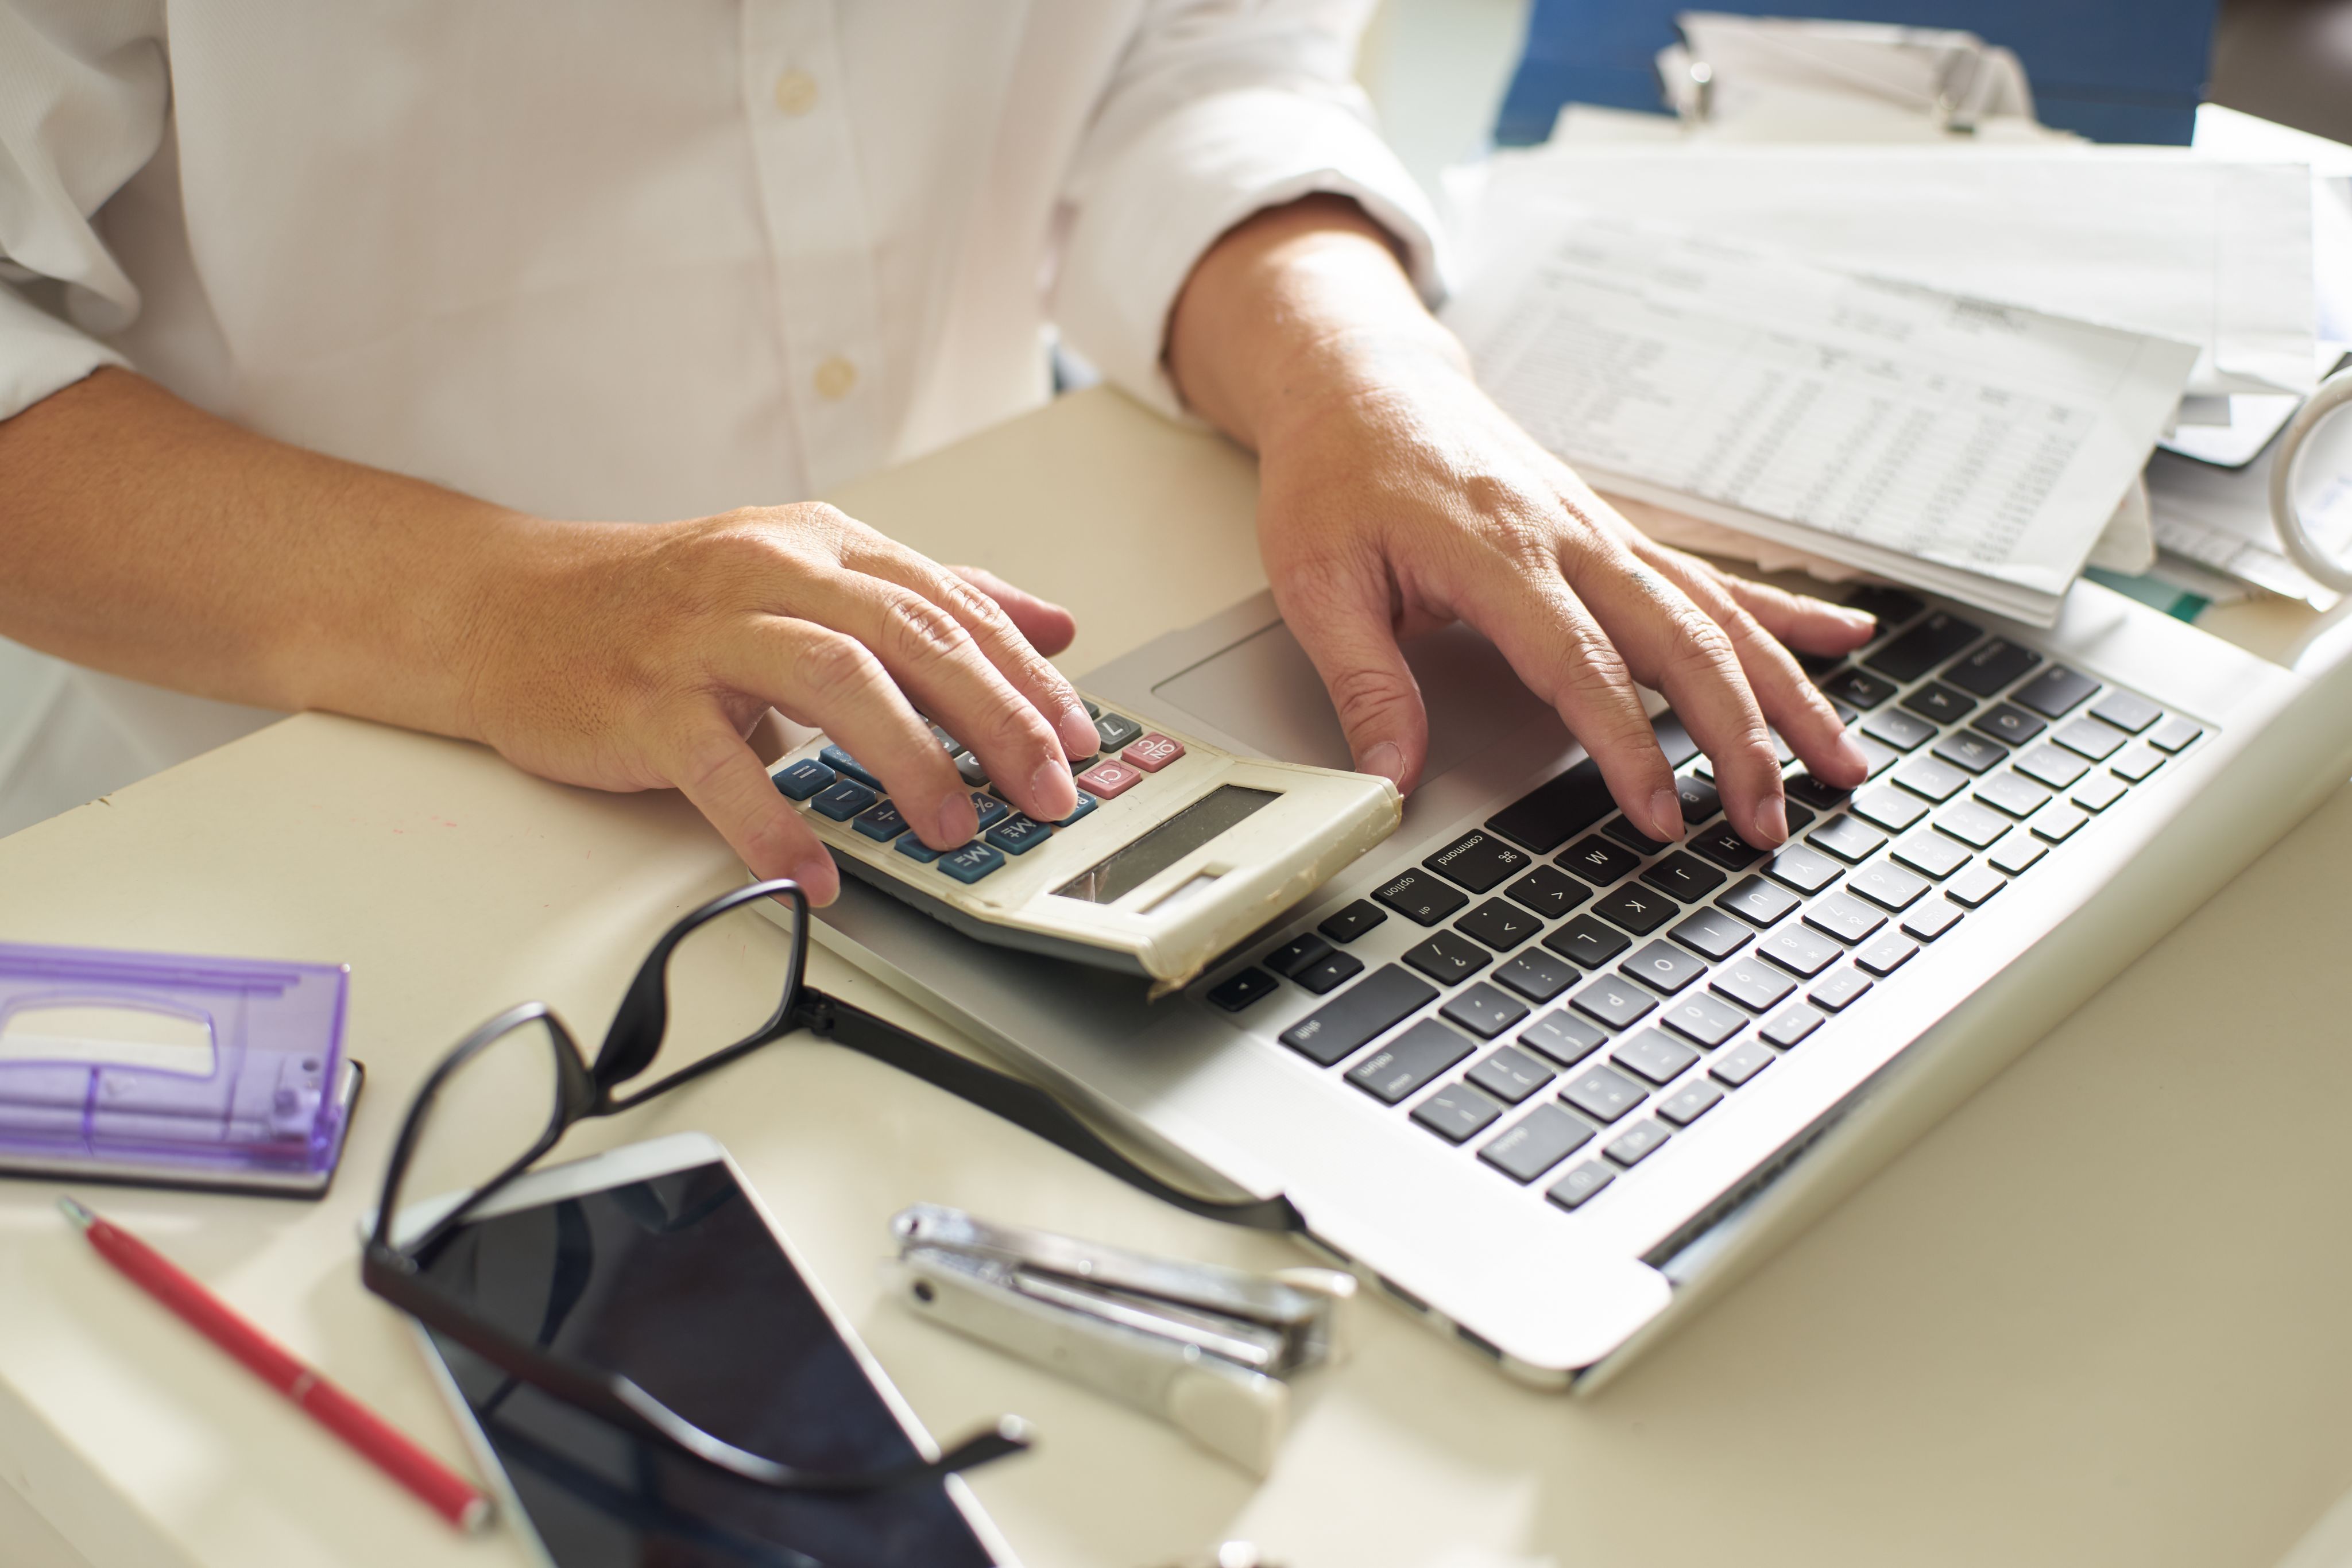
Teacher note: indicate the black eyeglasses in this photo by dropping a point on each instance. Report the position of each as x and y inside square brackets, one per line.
[508, 1092]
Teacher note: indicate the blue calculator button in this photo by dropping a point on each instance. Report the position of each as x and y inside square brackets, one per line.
[842, 799]
[840, 761]
[992, 809]
[1017, 835]
[804, 778]
[882, 823]
[1085, 804]
[915, 849]
[970, 862]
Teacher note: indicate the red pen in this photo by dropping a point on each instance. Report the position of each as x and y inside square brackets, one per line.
[444, 1491]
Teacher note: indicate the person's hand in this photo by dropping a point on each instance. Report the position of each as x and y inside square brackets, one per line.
[1391, 508]
[630, 657]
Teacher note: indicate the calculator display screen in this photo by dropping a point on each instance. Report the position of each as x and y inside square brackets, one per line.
[1123, 870]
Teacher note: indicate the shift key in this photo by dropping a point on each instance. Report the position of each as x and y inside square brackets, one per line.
[1371, 1006]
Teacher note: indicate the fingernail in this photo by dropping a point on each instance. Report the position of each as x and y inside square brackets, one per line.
[1078, 737]
[957, 820]
[1850, 752]
[1052, 789]
[1387, 759]
[1771, 820]
[816, 879]
[1667, 817]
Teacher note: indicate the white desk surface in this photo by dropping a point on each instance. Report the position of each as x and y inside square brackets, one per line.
[2096, 1317]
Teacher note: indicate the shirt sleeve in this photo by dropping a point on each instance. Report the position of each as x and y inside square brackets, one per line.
[83, 95]
[1219, 109]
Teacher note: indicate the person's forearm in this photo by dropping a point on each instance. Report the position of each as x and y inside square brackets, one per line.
[147, 538]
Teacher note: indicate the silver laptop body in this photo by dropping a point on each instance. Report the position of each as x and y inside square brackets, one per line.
[1564, 1297]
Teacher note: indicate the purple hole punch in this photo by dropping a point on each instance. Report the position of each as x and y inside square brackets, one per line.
[173, 1070]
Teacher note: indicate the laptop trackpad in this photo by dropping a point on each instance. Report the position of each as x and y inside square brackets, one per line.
[1264, 691]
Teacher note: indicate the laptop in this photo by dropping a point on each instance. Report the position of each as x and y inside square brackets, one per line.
[1549, 1085]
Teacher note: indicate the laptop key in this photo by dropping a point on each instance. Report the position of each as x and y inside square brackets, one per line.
[1737, 1066]
[1931, 780]
[1806, 789]
[2058, 824]
[1551, 813]
[1243, 987]
[1891, 606]
[1625, 832]
[1562, 1038]
[1457, 1113]
[1890, 808]
[1484, 1011]
[1674, 742]
[1663, 967]
[1932, 919]
[2055, 690]
[1848, 838]
[2135, 763]
[1499, 924]
[1788, 1029]
[1329, 973]
[1297, 953]
[1410, 1062]
[1603, 1095]
[1793, 865]
[2098, 791]
[1510, 1074]
[1923, 647]
[1713, 934]
[1586, 942]
[1618, 1003]
[1972, 753]
[1886, 955]
[1689, 1103]
[1637, 1142]
[1858, 688]
[1760, 902]
[1685, 876]
[1724, 846]
[1536, 974]
[1879, 758]
[1757, 987]
[1973, 886]
[1991, 667]
[1939, 703]
[1972, 824]
[1580, 1185]
[2094, 740]
[1421, 898]
[1801, 950]
[1446, 957]
[1931, 855]
[1549, 892]
[1598, 861]
[1698, 1017]
[2052, 767]
[2011, 792]
[1351, 922]
[1535, 1142]
[1477, 861]
[1371, 1006]
[1839, 990]
[1902, 730]
[2016, 856]
[1888, 885]
[1700, 802]
[2174, 734]
[1848, 919]
[2010, 724]
[1637, 909]
[2127, 711]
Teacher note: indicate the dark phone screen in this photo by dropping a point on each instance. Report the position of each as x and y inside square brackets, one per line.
[676, 1282]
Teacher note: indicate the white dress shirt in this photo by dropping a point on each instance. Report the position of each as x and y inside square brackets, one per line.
[631, 259]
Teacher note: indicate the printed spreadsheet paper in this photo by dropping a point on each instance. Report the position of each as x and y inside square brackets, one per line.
[1972, 448]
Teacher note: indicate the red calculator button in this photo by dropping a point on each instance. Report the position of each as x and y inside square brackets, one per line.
[1109, 780]
[1152, 753]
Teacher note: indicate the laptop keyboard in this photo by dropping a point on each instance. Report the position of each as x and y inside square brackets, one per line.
[1584, 993]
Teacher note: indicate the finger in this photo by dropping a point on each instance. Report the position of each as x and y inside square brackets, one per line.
[1534, 618]
[1671, 644]
[1046, 626]
[992, 627]
[824, 675]
[939, 664]
[1793, 704]
[1344, 627]
[1807, 625]
[713, 767]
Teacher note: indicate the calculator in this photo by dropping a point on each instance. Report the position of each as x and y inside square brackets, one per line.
[1178, 848]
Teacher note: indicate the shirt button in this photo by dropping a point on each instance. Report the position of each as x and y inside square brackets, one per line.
[834, 378]
[796, 92]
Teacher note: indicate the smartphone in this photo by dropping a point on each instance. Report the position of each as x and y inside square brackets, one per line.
[656, 1261]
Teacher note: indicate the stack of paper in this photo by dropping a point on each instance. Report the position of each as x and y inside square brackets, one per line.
[1973, 448]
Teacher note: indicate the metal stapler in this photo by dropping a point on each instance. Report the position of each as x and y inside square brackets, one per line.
[1204, 1347]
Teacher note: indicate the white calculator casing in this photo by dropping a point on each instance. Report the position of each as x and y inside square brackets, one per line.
[1172, 923]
